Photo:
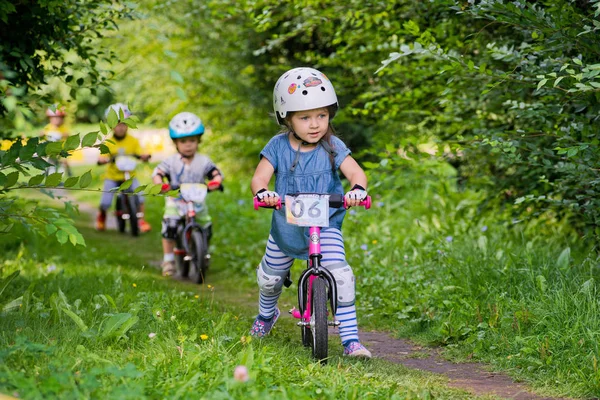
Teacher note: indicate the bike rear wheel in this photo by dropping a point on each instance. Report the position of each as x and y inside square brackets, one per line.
[197, 266]
[319, 317]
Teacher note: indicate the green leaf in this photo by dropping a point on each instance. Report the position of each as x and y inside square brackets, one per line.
[53, 179]
[36, 180]
[12, 305]
[139, 188]
[112, 119]
[540, 282]
[557, 81]
[85, 180]
[563, 259]
[8, 280]
[28, 151]
[153, 189]
[62, 236]
[72, 142]
[577, 61]
[118, 324]
[176, 76]
[50, 229]
[71, 181]
[181, 94]
[541, 83]
[11, 179]
[103, 128]
[126, 185]
[75, 319]
[89, 139]
[104, 149]
[54, 148]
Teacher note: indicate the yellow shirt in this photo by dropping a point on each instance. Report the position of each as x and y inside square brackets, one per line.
[128, 146]
[54, 133]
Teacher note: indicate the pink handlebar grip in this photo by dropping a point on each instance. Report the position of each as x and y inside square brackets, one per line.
[258, 203]
[366, 203]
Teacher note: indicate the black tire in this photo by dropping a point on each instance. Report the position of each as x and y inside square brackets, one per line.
[307, 337]
[119, 213]
[183, 267]
[197, 249]
[133, 210]
[319, 313]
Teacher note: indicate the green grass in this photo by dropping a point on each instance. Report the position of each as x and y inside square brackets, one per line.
[80, 325]
[430, 267]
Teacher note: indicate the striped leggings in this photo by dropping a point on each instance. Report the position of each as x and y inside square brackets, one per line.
[332, 249]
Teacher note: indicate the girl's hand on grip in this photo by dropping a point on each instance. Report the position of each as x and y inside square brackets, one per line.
[355, 196]
[267, 196]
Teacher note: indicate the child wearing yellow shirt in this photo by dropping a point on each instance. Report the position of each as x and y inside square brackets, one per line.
[120, 143]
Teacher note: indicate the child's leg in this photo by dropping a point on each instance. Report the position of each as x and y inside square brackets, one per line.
[143, 224]
[105, 203]
[107, 195]
[169, 233]
[334, 259]
[271, 274]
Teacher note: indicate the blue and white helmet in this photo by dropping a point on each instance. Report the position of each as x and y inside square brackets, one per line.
[117, 107]
[185, 124]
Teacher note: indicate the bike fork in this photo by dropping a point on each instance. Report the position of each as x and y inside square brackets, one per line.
[306, 279]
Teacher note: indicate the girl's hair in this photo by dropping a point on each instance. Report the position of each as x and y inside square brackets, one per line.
[332, 109]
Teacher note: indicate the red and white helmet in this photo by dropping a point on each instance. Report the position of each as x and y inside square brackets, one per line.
[57, 112]
[302, 89]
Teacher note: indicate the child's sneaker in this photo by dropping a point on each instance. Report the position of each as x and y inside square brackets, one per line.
[144, 226]
[262, 328]
[101, 221]
[168, 268]
[355, 349]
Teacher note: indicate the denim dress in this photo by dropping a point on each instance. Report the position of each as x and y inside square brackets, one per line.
[312, 173]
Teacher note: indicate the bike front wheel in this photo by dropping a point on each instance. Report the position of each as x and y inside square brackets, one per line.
[198, 251]
[319, 320]
[307, 337]
[134, 207]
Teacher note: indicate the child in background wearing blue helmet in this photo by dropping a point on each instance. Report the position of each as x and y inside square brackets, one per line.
[188, 166]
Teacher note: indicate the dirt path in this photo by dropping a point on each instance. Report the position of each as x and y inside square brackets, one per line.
[472, 377]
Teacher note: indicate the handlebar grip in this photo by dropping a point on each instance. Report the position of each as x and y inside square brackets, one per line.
[366, 203]
[258, 203]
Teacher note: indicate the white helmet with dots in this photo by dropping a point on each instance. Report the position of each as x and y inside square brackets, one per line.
[302, 89]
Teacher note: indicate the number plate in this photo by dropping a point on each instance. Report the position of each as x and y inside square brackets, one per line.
[194, 192]
[125, 163]
[307, 209]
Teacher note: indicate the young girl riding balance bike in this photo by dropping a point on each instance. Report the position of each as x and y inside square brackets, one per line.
[186, 167]
[305, 158]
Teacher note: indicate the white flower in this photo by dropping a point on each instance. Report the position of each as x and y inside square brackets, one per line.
[152, 335]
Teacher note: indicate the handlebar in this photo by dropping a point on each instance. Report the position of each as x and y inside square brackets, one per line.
[335, 201]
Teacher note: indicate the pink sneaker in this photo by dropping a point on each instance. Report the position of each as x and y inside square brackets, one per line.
[355, 349]
[262, 328]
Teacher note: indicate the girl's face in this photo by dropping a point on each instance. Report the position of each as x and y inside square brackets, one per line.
[187, 146]
[120, 130]
[311, 125]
